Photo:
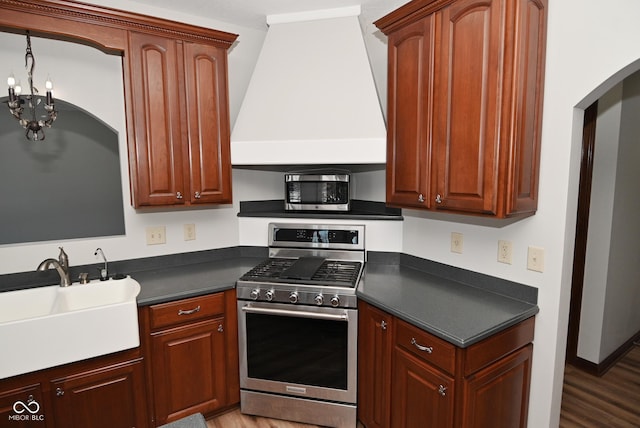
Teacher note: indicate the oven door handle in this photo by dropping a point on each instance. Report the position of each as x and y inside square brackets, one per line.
[300, 314]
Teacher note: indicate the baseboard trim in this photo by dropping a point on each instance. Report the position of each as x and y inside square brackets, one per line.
[604, 366]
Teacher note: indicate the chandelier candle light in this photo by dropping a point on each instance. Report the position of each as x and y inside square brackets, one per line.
[32, 125]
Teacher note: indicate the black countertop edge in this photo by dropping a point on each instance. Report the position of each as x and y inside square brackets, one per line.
[360, 210]
[513, 290]
[33, 279]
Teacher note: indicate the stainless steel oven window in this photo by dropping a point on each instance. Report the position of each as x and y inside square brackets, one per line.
[301, 351]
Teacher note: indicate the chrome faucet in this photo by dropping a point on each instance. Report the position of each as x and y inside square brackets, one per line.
[104, 272]
[61, 265]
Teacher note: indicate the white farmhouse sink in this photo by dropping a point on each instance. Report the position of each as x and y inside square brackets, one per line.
[48, 326]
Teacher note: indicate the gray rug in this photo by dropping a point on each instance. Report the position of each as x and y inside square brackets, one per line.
[194, 421]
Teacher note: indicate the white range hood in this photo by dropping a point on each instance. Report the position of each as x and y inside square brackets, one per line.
[312, 98]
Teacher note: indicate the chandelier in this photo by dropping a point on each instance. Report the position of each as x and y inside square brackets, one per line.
[33, 126]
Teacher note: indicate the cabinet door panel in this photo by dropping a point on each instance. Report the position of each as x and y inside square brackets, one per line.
[421, 396]
[498, 396]
[410, 101]
[208, 123]
[157, 123]
[374, 370]
[189, 370]
[524, 150]
[468, 92]
[106, 398]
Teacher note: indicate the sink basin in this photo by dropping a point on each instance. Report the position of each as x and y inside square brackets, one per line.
[48, 326]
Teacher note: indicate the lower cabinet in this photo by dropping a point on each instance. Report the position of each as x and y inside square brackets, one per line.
[410, 378]
[421, 396]
[103, 398]
[190, 347]
[103, 392]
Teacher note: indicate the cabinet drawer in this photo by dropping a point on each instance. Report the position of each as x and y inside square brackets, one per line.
[425, 346]
[186, 310]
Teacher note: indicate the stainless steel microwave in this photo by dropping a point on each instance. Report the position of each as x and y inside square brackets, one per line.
[317, 190]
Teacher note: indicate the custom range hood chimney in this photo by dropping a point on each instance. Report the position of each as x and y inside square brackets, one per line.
[312, 98]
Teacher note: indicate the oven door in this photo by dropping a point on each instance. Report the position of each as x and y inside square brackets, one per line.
[301, 351]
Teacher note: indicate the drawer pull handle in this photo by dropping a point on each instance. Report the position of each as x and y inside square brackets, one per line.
[427, 349]
[190, 311]
[383, 325]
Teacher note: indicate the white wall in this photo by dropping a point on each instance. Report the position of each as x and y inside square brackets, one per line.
[603, 186]
[611, 295]
[621, 314]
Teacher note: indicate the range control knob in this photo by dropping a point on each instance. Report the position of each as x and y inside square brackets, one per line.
[293, 297]
[319, 299]
[269, 295]
[335, 301]
[255, 294]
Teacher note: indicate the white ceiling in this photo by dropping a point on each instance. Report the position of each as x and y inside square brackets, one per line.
[252, 13]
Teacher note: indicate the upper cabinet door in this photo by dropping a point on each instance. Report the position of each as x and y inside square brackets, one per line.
[409, 114]
[465, 86]
[207, 123]
[522, 153]
[466, 125]
[155, 155]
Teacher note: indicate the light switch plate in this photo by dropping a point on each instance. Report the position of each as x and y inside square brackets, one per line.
[535, 259]
[189, 232]
[156, 235]
[457, 240]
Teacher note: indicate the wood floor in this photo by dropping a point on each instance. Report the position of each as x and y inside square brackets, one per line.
[610, 401]
[235, 419]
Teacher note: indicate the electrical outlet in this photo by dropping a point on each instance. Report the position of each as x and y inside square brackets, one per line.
[504, 251]
[535, 259]
[456, 242]
[189, 232]
[156, 235]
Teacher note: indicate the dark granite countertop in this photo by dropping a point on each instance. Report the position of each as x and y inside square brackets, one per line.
[179, 282]
[459, 306]
[360, 210]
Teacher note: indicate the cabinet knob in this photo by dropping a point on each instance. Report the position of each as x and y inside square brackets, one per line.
[197, 195]
[178, 195]
[383, 325]
[59, 392]
[438, 199]
[421, 198]
[220, 328]
[442, 390]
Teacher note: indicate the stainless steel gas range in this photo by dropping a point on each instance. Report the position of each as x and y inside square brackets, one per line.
[298, 323]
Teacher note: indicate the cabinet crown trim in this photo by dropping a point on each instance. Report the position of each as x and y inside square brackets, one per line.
[104, 16]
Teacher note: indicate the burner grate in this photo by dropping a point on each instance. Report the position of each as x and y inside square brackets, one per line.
[335, 273]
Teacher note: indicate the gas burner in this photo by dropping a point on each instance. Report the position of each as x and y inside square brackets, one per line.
[332, 273]
[302, 271]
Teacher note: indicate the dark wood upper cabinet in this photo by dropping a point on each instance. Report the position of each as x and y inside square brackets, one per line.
[179, 153]
[176, 94]
[465, 103]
